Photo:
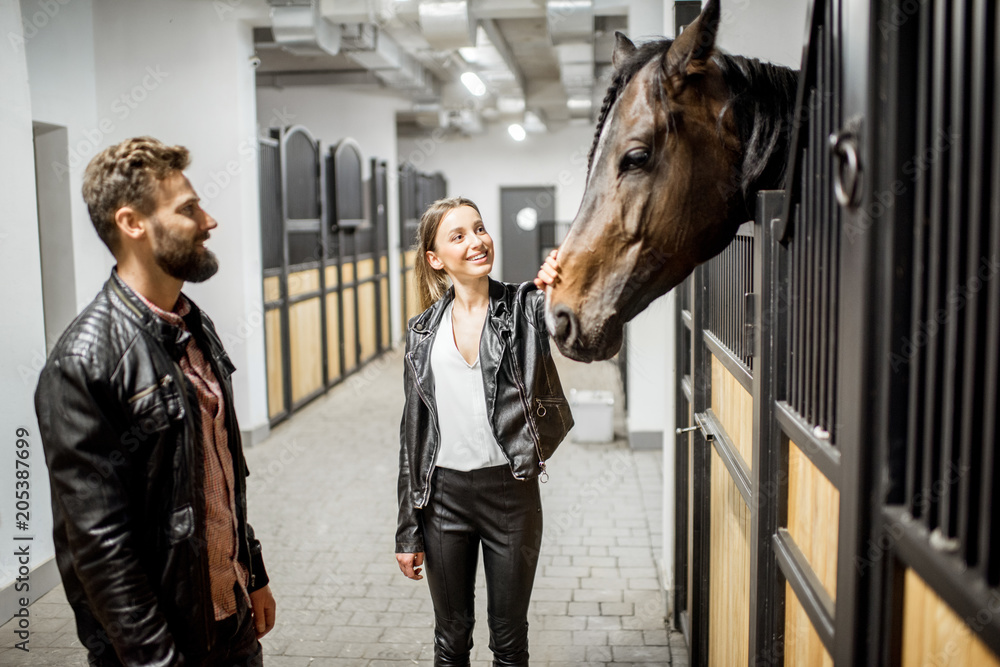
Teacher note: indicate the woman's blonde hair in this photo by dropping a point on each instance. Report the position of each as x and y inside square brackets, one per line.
[433, 283]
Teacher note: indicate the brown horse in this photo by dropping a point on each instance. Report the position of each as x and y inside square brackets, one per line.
[686, 138]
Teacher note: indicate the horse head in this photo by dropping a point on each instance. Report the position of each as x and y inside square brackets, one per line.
[685, 138]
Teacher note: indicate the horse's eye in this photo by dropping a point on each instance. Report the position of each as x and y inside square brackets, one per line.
[635, 159]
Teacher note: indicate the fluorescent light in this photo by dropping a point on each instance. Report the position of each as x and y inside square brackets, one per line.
[474, 84]
[517, 132]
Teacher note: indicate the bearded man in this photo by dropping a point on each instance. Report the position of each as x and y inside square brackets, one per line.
[135, 408]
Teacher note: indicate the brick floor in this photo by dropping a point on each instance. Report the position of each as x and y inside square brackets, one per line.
[323, 502]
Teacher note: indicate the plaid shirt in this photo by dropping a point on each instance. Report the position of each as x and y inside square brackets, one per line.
[225, 569]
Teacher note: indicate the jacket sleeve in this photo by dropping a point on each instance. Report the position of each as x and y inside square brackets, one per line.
[90, 473]
[409, 535]
[260, 578]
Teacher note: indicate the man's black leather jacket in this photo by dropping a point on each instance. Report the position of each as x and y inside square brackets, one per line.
[524, 399]
[121, 429]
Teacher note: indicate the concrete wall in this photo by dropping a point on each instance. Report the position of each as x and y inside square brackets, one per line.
[23, 332]
[191, 83]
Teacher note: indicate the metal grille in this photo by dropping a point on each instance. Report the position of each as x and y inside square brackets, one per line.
[301, 174]
[954, 340]
[345, 187]
[409, 217]
[814, 248]
[728, 306]
[270, 204]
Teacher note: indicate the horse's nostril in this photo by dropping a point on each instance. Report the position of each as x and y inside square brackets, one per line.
[566, 325]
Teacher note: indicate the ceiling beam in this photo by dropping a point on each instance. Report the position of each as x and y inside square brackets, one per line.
[503, 48]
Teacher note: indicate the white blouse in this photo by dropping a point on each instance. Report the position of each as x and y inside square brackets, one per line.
[467, 441]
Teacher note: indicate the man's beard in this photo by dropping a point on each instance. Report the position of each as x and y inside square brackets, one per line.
[182, 259]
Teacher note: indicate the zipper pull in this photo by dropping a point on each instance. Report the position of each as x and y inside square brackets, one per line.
[540, 411]
[544, 475]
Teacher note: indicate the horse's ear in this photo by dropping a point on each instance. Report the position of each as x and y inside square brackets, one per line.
[624, 48]
[691, 50]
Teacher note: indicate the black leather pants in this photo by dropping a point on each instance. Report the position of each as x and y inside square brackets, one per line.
[491, 507]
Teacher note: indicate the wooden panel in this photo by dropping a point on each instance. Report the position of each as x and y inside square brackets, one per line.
[303, 282]
[933, 634]
[733, 405]
[803, 647]
[383, 265]
[412, 298]
[349, 330]
[366, 320]
[410, 257]
[813, 516]
[366, 268]
[729, 572]
[384, 287]
[306, 348]
[332, 338]
[331, 276]
[275, 365]
[347, 272]
[272, 288]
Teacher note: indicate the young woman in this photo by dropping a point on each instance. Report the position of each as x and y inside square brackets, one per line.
[484, 410]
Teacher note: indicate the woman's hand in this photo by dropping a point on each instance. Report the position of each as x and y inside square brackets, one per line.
[549, 273]
[410, 564]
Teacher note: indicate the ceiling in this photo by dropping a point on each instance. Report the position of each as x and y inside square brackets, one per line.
[541, 63]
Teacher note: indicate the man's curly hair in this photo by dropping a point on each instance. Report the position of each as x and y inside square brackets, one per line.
[127, 174]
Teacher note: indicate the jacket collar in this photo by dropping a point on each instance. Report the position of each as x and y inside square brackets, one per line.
[173, 338]
[497, 310]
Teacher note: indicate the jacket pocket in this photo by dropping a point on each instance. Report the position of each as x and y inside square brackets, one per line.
[155, 407]
[181, 524]
[553, 420]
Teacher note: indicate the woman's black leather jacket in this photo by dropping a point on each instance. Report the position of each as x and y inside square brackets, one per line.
[524, 399]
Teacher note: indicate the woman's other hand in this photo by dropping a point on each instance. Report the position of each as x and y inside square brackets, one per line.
[410, 564]
[549, 272]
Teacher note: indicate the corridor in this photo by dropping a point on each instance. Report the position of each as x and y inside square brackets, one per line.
[323, 503]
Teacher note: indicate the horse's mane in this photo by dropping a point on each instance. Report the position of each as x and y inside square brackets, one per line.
[762, 100]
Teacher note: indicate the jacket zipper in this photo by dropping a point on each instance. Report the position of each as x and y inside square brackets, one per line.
[430, 408]
[522, 393]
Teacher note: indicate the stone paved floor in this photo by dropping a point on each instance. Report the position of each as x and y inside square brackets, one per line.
[323, 502]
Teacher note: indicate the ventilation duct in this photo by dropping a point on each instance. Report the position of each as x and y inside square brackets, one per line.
[570, 20]
[300, 30]
[447, 25]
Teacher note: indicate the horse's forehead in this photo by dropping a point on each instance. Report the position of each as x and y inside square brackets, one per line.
[602, 139]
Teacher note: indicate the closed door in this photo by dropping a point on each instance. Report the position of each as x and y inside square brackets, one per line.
[523, 210]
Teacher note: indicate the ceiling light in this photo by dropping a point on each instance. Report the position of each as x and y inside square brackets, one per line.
[474, 84]
[517, 132]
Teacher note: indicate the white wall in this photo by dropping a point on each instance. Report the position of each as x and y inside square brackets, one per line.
[772, 30]
[181, 72]
[22, 329]
[478, 166]
[366, 116]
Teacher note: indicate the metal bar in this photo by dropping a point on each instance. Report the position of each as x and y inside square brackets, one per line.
[937, 248]
[818, 605]
[954, 258]
[914, 450]
[701, 375]
[969, 411]
[737, 467]
[960, 587]
[730, 361]
[807, 236]
[989, 521]
[767, 611]
[681, 447]
[824, 456]
[686, 318]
